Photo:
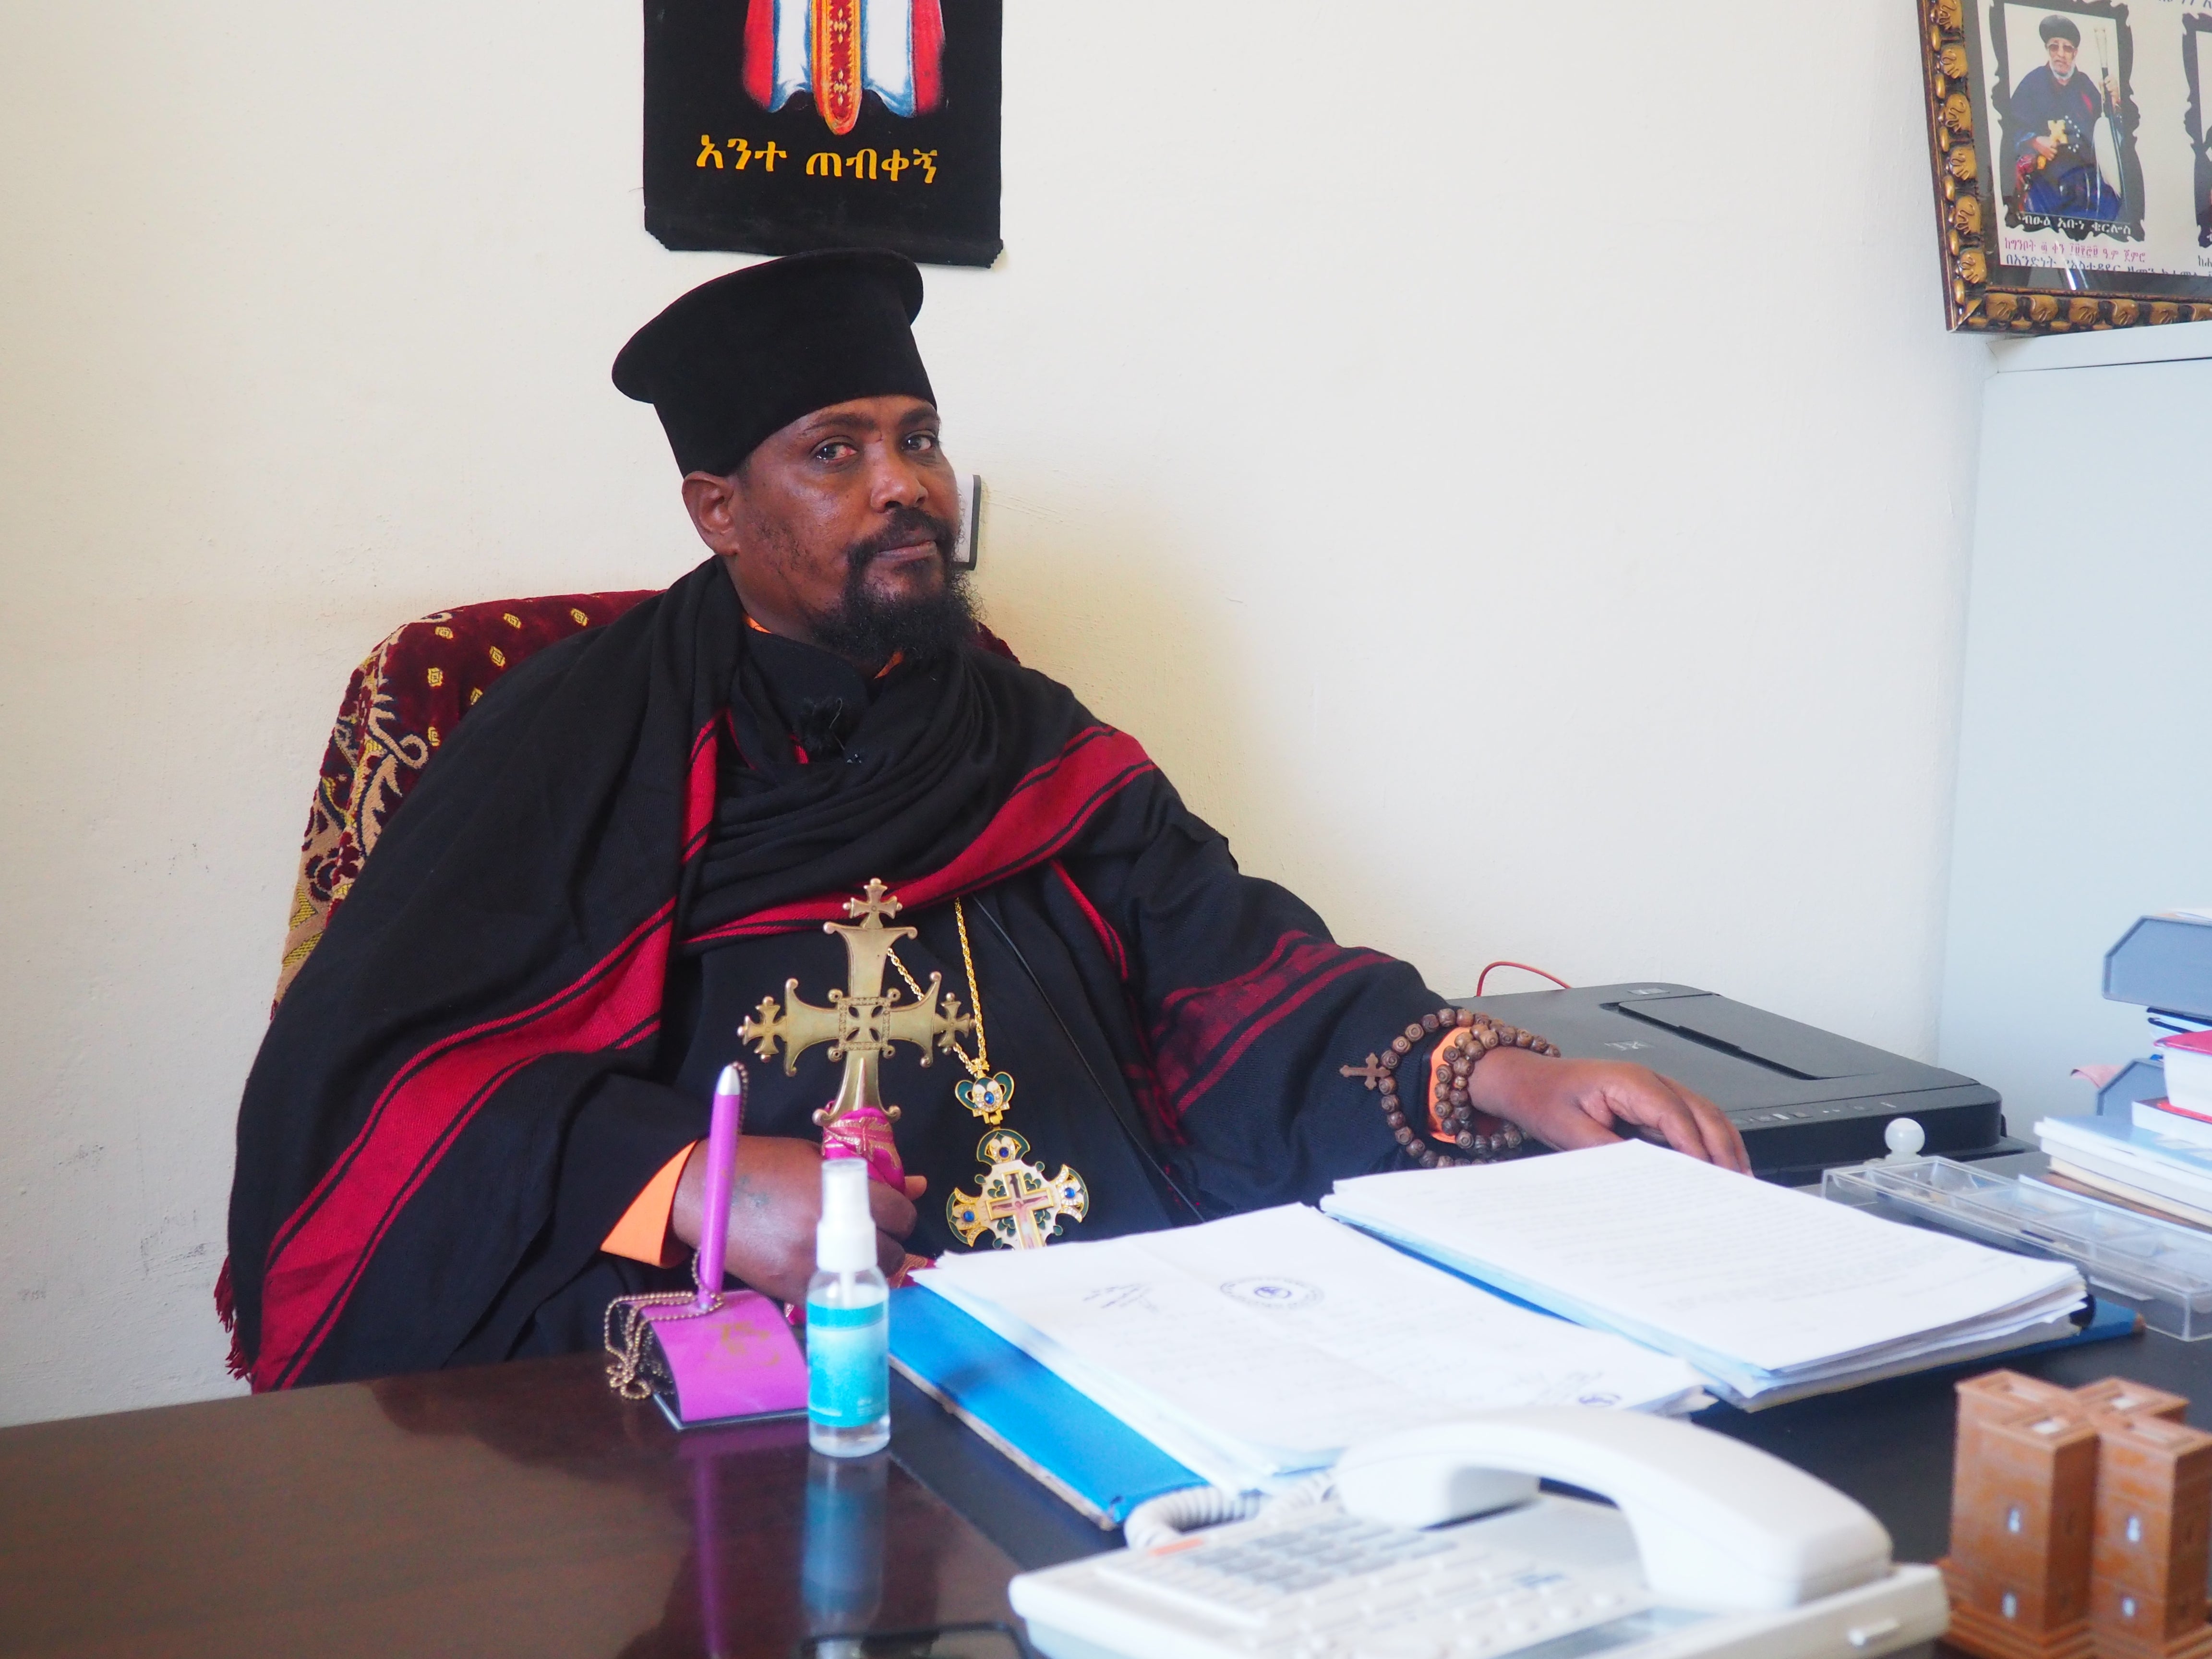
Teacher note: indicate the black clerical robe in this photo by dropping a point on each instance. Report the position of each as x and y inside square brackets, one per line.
[2067, 182]
[519, 1015]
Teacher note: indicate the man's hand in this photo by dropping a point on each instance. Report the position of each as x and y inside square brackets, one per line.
[775, 1199]
[1568, 1103]
[2044, 147]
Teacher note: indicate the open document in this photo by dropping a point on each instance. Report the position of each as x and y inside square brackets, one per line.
[1772, 1293]
[1256, 1348]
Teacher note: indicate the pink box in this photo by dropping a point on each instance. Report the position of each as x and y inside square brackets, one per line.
[742, 1360]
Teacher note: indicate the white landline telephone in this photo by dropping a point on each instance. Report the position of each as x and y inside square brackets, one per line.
[1715, 1549]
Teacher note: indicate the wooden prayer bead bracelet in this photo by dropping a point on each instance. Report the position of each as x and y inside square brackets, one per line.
[1469, 1036]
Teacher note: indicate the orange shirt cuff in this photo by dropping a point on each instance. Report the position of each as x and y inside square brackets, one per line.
[642, 1233]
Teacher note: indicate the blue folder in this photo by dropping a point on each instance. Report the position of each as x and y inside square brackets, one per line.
[2107, 1321]
[1078, 1448]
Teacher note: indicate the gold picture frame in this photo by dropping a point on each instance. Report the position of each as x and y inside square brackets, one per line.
[2072, 161]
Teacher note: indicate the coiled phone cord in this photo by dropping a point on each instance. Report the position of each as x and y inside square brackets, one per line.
[1163, 1519]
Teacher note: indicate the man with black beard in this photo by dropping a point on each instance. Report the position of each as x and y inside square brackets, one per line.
[472, 1122]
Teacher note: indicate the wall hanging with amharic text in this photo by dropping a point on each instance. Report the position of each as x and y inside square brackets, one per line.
[773, 127]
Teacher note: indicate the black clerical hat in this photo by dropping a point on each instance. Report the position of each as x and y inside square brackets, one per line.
[747, 354]
[2055, 27]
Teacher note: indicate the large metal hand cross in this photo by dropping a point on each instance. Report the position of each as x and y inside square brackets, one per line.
[862, 1021]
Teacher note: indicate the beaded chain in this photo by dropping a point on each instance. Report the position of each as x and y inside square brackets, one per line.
[1469, 1036]
[625, 1376]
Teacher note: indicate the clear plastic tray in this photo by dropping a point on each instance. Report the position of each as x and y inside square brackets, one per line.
[2162, 1269]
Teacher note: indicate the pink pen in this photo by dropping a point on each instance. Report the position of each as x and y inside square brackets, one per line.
[721, 1169]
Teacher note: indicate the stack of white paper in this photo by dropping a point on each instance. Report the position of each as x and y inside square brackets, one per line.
[1772, 1293]
[1256, 1348]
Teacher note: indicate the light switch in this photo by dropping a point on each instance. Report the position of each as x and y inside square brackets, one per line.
[971, 520]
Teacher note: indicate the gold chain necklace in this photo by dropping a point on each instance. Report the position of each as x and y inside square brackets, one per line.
[1015, 1202]
[985, 1095]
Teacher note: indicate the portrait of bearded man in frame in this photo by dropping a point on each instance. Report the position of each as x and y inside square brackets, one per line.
[2065, 159]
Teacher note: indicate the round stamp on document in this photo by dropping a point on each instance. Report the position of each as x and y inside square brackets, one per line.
[1271, 1290]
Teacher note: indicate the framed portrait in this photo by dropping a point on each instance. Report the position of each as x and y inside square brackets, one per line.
[2073, 175]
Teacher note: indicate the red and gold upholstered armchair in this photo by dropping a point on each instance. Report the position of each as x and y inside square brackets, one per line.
[401, 703]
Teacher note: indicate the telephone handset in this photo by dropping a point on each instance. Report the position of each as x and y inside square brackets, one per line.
[1715, 1548]
[1718, 1523]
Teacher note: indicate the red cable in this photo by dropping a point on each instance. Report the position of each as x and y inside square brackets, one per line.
[1484, 976]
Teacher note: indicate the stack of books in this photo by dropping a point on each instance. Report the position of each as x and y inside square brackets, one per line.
[2185, 1109]
[2142, 1165]
[2149, 1146]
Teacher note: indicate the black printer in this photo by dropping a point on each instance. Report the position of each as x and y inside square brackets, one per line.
[1804, 1099]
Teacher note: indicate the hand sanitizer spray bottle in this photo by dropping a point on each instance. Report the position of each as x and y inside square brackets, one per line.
[848, 1367]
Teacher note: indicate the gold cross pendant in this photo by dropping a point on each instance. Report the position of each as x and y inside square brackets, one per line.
[1015, 1202]
[862, 1021]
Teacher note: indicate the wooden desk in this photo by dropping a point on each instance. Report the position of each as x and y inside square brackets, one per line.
[511, 1509]
[523, 1509]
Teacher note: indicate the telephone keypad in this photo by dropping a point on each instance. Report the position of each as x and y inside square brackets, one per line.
[1348, 1589]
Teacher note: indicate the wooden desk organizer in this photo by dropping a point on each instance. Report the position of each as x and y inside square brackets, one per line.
[2080, 1523]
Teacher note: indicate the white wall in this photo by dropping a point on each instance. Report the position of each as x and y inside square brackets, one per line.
[1510, 472]
[2083, 797]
